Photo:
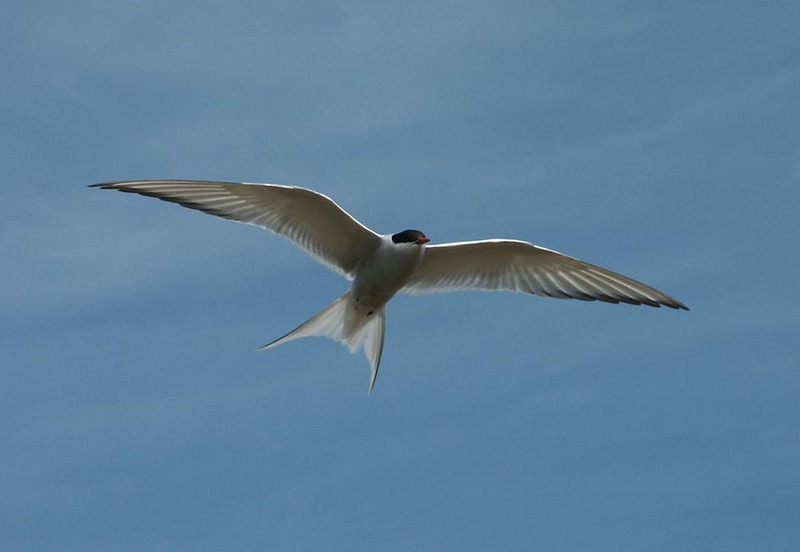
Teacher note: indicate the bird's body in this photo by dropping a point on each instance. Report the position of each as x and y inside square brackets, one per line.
[384, 272]
[382, 265]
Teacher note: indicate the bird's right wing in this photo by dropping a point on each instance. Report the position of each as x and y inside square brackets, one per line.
[511, 265]
[310, 220]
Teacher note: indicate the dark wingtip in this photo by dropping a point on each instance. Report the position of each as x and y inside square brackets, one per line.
[677, 305]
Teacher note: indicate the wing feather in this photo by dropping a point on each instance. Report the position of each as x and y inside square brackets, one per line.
[310, 220]
[511, 265]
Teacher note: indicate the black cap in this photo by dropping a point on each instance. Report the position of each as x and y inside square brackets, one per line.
[407, 236]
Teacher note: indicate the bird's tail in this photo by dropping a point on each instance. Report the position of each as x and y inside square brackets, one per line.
[340, 321]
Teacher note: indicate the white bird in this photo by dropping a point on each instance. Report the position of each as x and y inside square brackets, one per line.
[382, 265]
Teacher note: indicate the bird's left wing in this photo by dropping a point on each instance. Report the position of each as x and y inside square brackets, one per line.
[511, 265]
[310, 220]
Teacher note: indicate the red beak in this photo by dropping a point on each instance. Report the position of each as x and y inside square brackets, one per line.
[422, 241]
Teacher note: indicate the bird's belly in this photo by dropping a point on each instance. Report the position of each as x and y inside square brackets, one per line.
[382, 277]
[373, 294]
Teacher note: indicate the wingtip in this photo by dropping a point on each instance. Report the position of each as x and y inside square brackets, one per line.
[273, 343]
[675, 304]
[104, 185]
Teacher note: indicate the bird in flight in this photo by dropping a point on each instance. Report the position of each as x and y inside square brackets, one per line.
[381, 265]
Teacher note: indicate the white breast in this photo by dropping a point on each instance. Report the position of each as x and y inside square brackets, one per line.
[385, 271]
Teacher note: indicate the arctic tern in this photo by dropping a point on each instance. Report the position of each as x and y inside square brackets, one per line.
[381, 265]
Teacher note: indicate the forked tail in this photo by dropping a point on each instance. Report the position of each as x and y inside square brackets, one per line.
[340, 322]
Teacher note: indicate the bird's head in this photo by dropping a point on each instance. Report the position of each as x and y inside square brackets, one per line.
[410, 236]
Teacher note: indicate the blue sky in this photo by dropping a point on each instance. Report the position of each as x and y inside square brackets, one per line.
[661, 140]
